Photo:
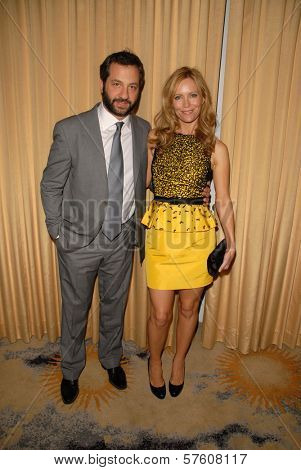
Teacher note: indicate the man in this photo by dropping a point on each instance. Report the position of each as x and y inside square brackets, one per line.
[93, 194]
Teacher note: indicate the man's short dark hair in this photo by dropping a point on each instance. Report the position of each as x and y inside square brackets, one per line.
[122, 58]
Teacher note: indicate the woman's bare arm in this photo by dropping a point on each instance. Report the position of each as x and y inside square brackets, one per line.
[223, 203]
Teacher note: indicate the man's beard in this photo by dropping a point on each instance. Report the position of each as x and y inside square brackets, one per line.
[113, 110]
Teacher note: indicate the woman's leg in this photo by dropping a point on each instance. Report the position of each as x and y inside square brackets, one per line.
[158, 326]
[189, 300]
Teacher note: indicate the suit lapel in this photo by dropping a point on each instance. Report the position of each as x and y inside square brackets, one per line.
[137, 146]
[93, 130]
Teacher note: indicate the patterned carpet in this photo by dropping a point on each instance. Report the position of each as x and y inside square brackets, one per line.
[230, 401]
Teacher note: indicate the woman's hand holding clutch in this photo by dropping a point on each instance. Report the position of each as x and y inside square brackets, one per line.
[228, 259]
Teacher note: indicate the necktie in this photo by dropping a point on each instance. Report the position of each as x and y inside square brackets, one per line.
[112, 223]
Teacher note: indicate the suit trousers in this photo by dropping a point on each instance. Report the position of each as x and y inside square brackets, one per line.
[111, 261]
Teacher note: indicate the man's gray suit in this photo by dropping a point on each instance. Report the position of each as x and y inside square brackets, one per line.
[74, 192]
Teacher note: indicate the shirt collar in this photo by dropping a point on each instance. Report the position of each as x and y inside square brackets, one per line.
[107, 120]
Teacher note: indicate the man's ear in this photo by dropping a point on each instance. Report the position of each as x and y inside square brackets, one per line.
[101, 85]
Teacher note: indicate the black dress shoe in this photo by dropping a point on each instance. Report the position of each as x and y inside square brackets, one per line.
[117, 377]
[175, 390]
[69, 391]
[159, 392]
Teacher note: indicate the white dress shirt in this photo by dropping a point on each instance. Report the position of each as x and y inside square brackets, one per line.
[107, 124]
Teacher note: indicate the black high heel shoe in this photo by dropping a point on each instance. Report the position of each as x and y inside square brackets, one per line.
[175, 390]
[159, 392]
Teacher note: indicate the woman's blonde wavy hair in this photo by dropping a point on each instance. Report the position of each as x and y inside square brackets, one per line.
[166, 121]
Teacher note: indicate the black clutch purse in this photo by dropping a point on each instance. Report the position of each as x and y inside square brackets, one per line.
[215, 259]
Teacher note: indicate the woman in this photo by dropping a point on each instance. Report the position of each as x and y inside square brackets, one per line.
[183, 156]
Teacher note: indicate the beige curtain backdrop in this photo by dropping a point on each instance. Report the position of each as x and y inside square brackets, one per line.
[259, 302]
[50, 51]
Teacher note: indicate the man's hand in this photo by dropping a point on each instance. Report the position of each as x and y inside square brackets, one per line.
[206, 194]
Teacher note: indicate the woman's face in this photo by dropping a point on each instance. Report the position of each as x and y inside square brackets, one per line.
[187, 101]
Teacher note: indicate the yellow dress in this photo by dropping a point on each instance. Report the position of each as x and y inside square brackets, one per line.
[180, 233]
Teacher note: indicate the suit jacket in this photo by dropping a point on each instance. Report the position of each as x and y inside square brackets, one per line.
[74, 187]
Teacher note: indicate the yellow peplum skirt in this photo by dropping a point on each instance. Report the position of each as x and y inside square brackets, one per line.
[178, 241]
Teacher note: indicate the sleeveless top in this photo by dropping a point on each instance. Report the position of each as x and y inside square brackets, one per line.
[182, 170]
